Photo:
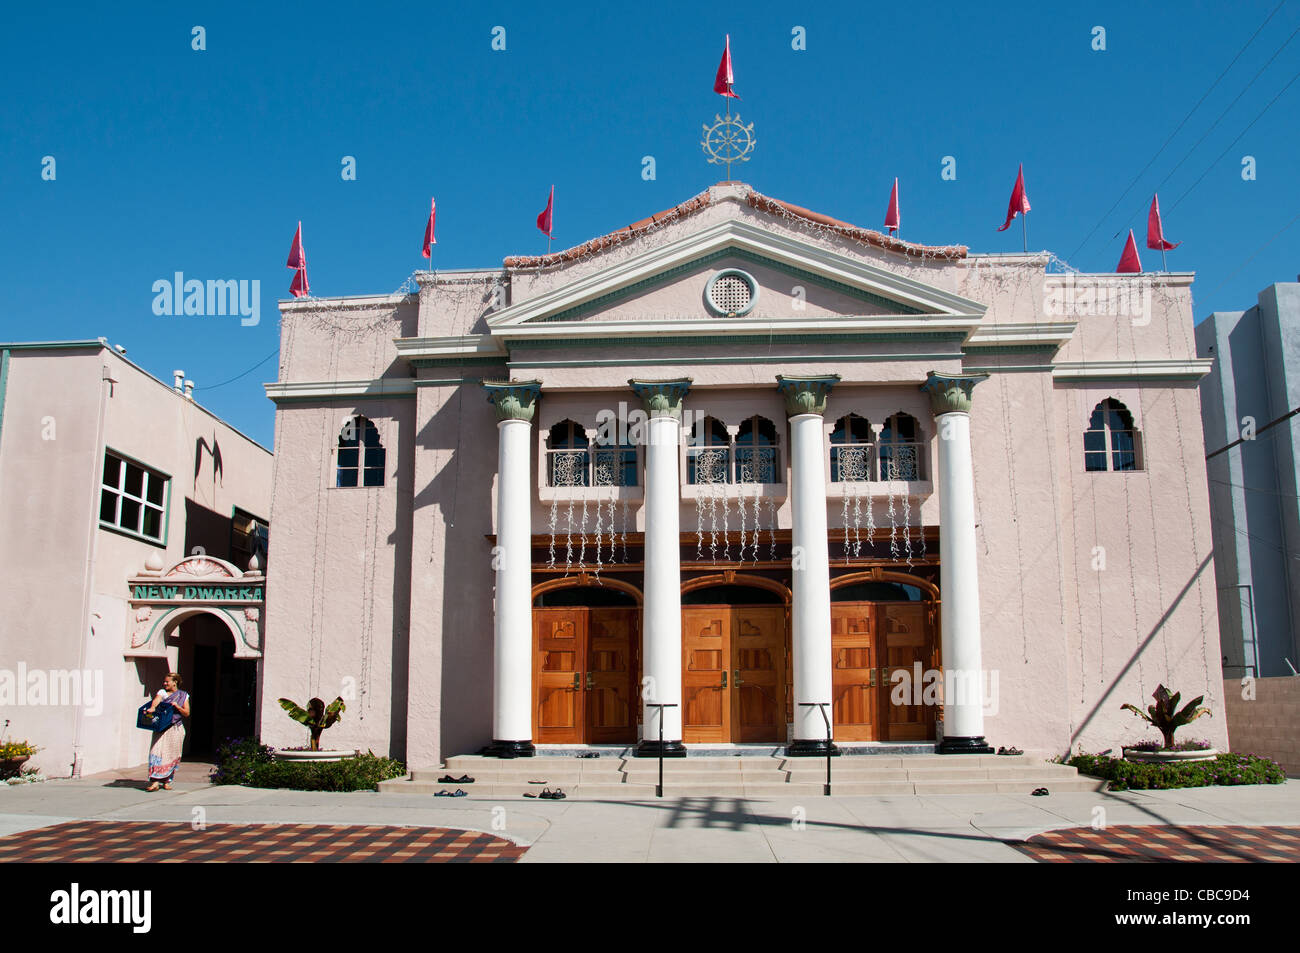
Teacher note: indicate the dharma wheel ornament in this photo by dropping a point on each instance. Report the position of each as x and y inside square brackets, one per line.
[728, 140]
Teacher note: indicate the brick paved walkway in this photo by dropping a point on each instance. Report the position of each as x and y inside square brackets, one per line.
[1162, 844]
[121, 842]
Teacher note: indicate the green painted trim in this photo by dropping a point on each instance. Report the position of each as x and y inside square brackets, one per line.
[869, 337]
[761, 359]
[1030, 348]
[167, 504]
[167, 512]
[453, 361]
[153, 629]
[351, 398]
[51, 345]
[138, 537]
[4, 385]
[663, 277]
[1008, 369]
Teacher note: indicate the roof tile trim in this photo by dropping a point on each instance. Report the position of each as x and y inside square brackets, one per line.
[757, 201]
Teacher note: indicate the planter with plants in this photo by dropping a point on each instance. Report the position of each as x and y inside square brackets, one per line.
[316, 717]
[13, 755]
[1166, 717]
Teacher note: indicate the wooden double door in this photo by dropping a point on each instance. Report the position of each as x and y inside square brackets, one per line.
[870, 643]
[585, 675]
[734, 674]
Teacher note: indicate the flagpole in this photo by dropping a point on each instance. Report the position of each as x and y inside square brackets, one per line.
[1164, 259]
[1024, 230]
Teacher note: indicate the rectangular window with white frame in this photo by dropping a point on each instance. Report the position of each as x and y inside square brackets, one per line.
[133, 498]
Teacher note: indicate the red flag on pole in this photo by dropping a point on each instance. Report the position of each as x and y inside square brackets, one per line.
[1019, 204]
[1156, 232]
[428, 231]
[298, 262]
[544, 220]
[1129, 264]
[891, 216]
[722, 82]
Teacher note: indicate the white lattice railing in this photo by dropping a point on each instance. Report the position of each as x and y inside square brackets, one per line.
[866, 463]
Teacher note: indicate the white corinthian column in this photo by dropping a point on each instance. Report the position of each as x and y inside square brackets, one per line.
[512, 629]
[810, 637]
[661, 623]
[963, 691]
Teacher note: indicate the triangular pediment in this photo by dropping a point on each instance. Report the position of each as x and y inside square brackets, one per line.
[802, 288]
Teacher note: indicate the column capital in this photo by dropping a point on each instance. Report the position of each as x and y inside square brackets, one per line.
[806, 395]
[662, 398]
[514, 400]
[951, 394]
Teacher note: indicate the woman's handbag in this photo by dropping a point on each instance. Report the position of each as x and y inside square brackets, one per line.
[160, 720]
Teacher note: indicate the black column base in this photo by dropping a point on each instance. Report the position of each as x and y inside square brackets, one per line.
[671, 749]
[510, 749]
[811, 749]
[958, 745]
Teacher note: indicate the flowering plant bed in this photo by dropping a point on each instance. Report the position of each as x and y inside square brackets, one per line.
[1224, 769]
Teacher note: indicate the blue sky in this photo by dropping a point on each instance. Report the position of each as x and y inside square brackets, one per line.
[170, 159]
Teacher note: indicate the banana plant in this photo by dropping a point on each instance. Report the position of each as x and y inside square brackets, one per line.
[1164, 714]
[316, 717]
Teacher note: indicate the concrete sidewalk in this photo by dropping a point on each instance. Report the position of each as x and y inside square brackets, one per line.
[910, 829]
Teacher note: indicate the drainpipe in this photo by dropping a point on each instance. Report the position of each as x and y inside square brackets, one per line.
[92, 548]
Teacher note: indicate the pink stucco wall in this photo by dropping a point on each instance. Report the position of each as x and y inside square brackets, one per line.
[64, 577]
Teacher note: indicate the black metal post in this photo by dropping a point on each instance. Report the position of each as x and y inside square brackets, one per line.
[830, 747]
[659, 788]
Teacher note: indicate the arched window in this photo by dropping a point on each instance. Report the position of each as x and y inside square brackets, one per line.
[1111, 442]
[851, 450]
[707, 460]
[756, 456]
[360, 457]
[613, 464]
[900, 448]
[568, 455]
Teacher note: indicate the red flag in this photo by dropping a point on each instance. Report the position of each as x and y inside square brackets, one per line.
[428, 231]
[299, 287]
[1019, 201]
[1129, 264]
[544, 220]
[298, 262]
[1155, 232]
[722, 82]
[891, 216]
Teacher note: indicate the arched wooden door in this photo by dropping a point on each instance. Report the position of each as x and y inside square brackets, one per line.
[734, 665]
[585, 665]
[884, 649]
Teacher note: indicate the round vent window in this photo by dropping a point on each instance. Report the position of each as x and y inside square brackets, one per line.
[731, 293]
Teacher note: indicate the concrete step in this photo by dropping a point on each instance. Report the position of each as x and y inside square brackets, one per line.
[638, 791]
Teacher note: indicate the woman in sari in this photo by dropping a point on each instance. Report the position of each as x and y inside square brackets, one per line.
[165, 751]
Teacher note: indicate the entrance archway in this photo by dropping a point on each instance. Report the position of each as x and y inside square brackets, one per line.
[586, 661]
[735, 660]
[222, 686]
[202, 618]
[884, 641]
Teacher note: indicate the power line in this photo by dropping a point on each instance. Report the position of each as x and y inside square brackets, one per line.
[1177, 128]
[1227, 110]
[1239, 135]
[244, 374]
[1254, 254]
[1255, 489]
[1272, 423]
